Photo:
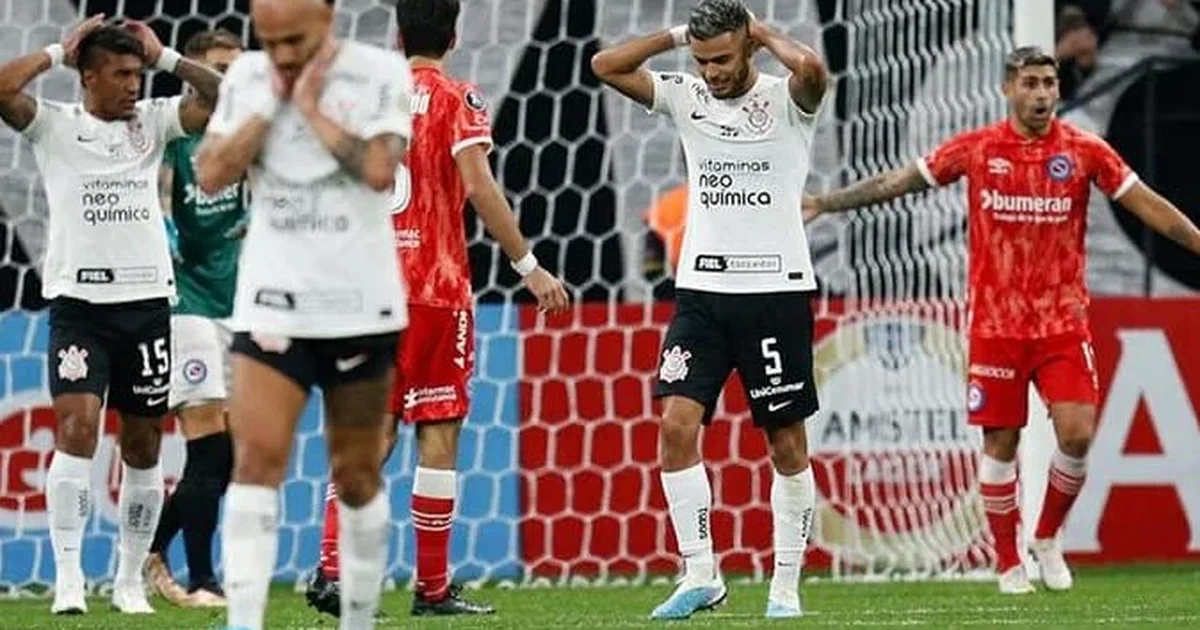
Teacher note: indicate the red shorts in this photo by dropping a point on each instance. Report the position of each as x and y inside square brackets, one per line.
[1063, 367]
[434, 364]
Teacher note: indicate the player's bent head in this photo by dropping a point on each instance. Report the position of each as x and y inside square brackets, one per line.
[216, 48]
[111, 61]
[291, 31]
[721, 45]
[1031, 85]
[426, 27]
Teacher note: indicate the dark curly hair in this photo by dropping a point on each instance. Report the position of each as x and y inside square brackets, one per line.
[107, 39]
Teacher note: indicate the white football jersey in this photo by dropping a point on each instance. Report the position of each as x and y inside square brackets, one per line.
[747, 160]
[107, 242]
[318, 260]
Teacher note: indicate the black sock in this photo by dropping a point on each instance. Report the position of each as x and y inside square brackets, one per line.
[206, 474]
[168, 525]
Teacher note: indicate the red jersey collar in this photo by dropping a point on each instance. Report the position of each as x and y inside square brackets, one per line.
[1055, 130]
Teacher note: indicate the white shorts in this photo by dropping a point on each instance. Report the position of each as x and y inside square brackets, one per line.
[200, 348]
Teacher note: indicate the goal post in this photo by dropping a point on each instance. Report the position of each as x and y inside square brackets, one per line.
[1033, 25]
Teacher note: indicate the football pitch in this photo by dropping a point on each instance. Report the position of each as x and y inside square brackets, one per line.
[1150, 596]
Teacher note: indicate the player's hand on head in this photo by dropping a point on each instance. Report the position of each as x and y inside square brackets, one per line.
[149, 39]
[551, 296]
[307, 92]
[70, 43]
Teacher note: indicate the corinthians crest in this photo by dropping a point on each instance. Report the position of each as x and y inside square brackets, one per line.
[758, 114]
[137, 136]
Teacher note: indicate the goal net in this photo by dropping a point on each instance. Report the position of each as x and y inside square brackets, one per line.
[558, 460]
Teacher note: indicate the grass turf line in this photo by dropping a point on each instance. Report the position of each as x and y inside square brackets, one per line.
[1161, 596]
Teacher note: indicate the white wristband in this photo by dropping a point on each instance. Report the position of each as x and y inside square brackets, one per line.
[56, 52]
[168, 59]
[526, 265]
[680, 35]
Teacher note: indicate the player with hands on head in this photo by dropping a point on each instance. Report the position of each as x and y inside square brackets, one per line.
[108, 277]
[320, 126]
[446, 165]
[1029, 179]
[743, 286]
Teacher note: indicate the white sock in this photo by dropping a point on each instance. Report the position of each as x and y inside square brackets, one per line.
[140, 504]
[68, 497]
[792, 501]
[689, 499]
[362, 550]
[250, 537]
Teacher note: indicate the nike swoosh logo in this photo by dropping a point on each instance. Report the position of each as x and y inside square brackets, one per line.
[699, 116]
[345, 365]
[85, 138]
[773, 407]
[150, 402]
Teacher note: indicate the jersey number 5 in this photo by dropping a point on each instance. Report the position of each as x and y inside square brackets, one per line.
[402, 190]
[157, 361]
[774, 366]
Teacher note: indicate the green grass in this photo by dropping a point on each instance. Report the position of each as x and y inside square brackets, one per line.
[1159, 596]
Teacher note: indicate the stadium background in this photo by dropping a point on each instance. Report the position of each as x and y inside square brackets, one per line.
[559, 454]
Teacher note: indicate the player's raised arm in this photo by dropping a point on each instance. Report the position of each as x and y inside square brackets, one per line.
[371, 159]
[497, 217]
[621, 66]
[17, 108]
[1161, 215]
[946, 164]
[809, 76]
[197, 105]
[870, 191]
[238, 128]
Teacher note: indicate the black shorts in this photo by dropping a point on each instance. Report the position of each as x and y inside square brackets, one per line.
[122, 350]
[766, 337]
[324, 362]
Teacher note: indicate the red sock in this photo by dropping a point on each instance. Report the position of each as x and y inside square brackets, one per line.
[998, 488]
[329, 537]
[432, 516]
[1063, 483]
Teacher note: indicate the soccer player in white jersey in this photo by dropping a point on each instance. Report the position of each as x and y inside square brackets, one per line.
[744, 279]
[108, 277]
[321, 126]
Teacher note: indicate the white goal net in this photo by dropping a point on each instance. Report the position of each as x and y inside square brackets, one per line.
[559, 480]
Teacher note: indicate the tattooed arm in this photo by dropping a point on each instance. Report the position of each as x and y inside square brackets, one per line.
[371, 160]
[196, 108]
[1161, 215]
[879, 188]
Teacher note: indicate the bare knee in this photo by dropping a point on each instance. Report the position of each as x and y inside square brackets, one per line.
[257, 462]
[357, 479]
[789, 449]
[141, 440]
[1001, 444]
[437, 444]
[1076, 439]
[202, 420]
[78, 424]
[680, 434]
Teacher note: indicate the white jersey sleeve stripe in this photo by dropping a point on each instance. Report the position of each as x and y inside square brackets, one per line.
[1126, 184]
[463, 144]
[926, 173]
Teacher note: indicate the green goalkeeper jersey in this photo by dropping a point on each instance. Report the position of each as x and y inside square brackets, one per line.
[210, 230]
